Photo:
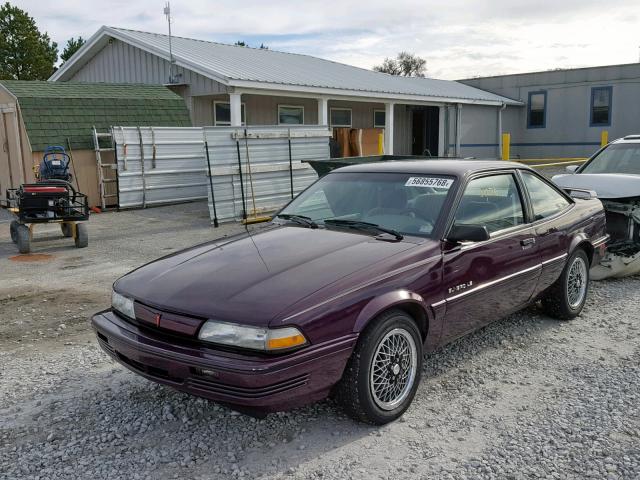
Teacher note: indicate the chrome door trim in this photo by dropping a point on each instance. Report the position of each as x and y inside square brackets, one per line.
[494, 282]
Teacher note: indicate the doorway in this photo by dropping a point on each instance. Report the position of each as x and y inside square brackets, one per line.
[424, 131]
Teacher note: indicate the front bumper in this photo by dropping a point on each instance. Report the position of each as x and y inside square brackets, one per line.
[264, 383]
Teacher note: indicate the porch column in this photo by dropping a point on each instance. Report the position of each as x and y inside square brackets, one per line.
[458, 128]
[388, 128]
[323, 111]
[235, 104]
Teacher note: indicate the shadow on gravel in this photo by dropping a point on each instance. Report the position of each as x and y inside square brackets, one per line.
[118, 422]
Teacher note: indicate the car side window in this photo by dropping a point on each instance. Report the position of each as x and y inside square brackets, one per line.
[545, 200]
[493, 201]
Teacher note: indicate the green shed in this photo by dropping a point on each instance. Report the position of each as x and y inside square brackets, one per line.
[37, 114]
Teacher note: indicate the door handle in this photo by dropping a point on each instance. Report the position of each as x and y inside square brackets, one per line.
[527, 242]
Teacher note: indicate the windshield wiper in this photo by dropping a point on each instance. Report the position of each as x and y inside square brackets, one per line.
[299, 219]
[360, 225]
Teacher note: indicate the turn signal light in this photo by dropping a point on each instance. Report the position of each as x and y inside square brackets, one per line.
[282, 338]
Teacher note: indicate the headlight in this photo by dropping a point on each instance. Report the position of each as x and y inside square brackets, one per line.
[122, 304]
[251, 337]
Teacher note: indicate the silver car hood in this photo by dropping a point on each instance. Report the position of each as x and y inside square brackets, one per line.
[606, 185]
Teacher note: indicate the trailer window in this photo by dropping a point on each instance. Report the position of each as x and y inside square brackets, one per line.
[537, 110]
[601, 106]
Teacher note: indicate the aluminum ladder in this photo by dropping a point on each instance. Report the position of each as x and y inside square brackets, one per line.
[102, 180]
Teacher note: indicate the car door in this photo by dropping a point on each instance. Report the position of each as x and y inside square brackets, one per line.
[484, 281]
[549, 208]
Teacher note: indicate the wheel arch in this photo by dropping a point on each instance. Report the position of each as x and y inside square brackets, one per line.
[409, 302]
[583, 242]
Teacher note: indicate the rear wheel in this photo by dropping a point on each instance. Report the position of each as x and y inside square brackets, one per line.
[13, 227]
[23, 238]
[82, 235]
[67, 229]
[566, 297]
[383, 373]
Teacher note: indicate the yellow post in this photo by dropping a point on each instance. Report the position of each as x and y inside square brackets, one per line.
[604, 138]
[381, 144]
[506, 145]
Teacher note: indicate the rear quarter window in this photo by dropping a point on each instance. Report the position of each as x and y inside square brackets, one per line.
[545, 200]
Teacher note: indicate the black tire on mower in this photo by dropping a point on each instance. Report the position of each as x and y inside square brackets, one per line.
[13, 229]
[555, 301]
[67, 229]
[23, 238]
[355, 391]
[82, 235]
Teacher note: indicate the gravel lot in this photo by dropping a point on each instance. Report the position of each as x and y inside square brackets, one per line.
[526, 397]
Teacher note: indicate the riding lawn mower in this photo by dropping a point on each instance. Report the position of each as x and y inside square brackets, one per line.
[52, 199]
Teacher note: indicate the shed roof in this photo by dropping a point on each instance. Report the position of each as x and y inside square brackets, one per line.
[269, 69]
[53, 112]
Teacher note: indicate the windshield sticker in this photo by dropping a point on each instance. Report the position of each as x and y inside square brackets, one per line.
[432, 182]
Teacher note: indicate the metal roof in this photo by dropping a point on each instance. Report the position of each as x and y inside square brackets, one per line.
[246, 67]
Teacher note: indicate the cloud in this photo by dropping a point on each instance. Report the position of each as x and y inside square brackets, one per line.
[458, 38]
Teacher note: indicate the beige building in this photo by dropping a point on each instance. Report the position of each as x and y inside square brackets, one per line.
[233, 85]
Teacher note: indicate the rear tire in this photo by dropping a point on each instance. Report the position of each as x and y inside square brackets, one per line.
[13, 227]
[565, 299]
[82, 235]
[67, 230]
[382, 376]
[23, 238]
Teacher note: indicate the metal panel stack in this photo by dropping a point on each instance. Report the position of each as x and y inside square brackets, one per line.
[259, 169]
[159, 165]
[251, 170]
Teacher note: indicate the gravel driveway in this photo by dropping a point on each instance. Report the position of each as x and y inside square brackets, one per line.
[526, 397]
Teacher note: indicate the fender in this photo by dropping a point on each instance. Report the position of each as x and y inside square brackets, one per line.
[578, 238]
[389, 300]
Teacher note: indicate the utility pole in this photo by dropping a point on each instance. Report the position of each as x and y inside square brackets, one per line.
[172, 77]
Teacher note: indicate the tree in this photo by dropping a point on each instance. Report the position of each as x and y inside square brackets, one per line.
[242, 43]
[72, 47]
[25, 52]
[405, 64]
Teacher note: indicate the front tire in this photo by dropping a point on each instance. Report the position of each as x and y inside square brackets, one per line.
[23, 238]
[13, 228]
[67, 230]
[566, 297]
[382, 376]
[82, 235]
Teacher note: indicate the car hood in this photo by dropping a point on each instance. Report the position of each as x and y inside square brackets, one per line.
[250, 278]
[606, 185]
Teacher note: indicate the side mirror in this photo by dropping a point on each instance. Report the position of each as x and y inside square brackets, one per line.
[468, 233]
[571, 168]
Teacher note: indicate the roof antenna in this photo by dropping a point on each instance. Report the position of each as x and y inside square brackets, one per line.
[172, 62]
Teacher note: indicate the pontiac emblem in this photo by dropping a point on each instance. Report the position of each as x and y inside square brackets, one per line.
[157, 319]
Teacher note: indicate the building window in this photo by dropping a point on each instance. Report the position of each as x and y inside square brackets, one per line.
[379, 119]
[222, 114]
[290, 115]
[537, 110]
[340, 117]
[601, 106]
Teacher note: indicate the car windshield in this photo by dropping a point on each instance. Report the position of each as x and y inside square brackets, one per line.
[616, 158]
[400, 202]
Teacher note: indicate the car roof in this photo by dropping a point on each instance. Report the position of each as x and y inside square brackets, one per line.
[628, 139]
[454, 167]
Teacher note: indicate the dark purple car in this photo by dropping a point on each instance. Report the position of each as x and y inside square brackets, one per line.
[352, 282]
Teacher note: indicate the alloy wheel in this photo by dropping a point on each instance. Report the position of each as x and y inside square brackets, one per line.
[393, 369]
[577, 282]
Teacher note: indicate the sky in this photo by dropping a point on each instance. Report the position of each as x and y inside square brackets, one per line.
[459, 39]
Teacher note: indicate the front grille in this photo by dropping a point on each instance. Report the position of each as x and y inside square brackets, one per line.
[212, 386]
[147, 369]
